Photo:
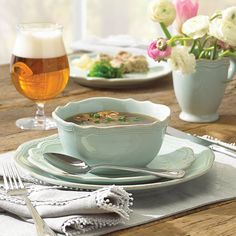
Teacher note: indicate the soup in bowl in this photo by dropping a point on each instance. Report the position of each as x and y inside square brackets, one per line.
[104, 130]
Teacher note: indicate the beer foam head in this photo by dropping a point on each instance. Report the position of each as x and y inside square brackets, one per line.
[39, 43]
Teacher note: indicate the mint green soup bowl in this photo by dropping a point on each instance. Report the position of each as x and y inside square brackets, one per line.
[129, 145]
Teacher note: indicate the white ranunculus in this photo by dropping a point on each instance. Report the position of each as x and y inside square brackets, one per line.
[229, 14]
[162, 11]
[182, 60]
[223, 30]
[196, 27]
[229, 32]
[215, 29]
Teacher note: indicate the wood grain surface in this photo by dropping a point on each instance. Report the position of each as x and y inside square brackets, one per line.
[218, 219]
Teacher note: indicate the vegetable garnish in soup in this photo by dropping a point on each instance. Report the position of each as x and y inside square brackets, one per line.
[110, 118]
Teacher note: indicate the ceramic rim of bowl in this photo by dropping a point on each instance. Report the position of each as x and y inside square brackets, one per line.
[66, 123]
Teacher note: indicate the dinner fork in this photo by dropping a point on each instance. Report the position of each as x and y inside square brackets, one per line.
[15, 187]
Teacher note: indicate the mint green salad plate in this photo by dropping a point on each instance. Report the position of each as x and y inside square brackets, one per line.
[175, 153]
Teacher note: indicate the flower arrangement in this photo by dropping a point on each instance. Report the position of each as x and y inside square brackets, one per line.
[198, 36]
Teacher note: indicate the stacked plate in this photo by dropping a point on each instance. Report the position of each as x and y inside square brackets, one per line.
[175, 154]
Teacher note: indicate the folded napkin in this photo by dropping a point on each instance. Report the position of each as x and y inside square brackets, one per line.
[71, 212]
[111, 44]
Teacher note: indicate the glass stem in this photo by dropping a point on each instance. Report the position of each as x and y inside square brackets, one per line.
[40, 118]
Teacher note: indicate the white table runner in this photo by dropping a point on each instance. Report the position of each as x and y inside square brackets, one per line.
[217, 185]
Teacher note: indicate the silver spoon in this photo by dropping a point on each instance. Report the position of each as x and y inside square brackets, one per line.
[74, 165]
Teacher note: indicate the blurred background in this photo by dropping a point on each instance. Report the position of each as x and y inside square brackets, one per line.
[84, 18]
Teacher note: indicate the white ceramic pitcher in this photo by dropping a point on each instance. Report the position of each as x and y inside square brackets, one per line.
[199, 94]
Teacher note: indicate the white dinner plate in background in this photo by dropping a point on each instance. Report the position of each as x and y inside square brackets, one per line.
[156, 71]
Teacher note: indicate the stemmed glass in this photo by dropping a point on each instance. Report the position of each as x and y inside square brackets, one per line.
[39, 69]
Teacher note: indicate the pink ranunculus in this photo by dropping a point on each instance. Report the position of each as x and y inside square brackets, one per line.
[158, 53]
[185, 9]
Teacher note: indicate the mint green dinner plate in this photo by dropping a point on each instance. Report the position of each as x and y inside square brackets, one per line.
[175, 153]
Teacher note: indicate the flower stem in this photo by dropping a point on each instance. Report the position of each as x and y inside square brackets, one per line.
[202, 54]
[199, 49]
[199, 45]
[180, 39]
[165, 30]
[227, 53]
[186, 39]
[209, 49]
[215, 16]
[205, 41]
[193, 46]
[213, 54]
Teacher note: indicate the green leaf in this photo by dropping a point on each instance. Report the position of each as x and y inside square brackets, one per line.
[105, 70]
[108, 119]
[122, 118]
[96, 115]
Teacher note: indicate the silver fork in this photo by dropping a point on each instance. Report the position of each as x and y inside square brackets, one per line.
[15, 187]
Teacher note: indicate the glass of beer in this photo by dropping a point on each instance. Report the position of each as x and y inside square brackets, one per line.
[39, 69]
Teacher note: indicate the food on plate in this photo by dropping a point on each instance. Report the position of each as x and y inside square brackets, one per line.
[110, 118]
[103, 57]
[136, 64]
[84, 62]
[104, 64]
[104, 69]
[130, 63]
[123, 55]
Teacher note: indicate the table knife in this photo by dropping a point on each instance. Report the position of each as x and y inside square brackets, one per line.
[211, 144]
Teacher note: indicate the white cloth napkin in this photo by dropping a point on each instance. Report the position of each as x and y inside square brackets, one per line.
[71, 212]
[111, 44]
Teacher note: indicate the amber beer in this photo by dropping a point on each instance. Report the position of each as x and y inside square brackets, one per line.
[39, 65]
[40, 79]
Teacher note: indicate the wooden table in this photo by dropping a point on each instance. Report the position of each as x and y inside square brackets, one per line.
[218, 219]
